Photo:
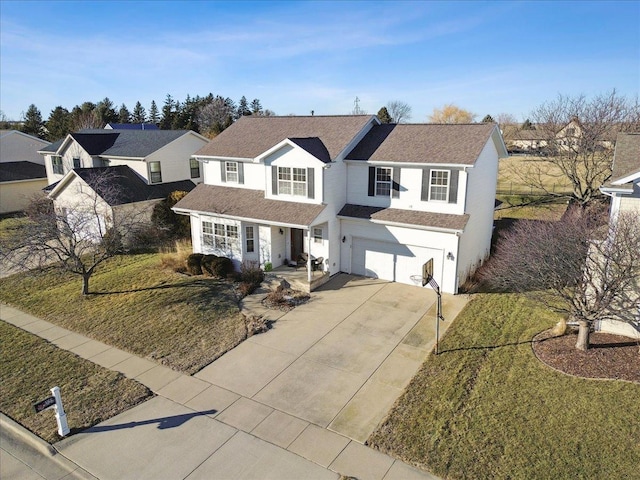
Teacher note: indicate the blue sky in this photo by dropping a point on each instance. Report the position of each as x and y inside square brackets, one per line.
[486, 57]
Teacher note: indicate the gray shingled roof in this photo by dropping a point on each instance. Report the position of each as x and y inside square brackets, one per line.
[14, 171]
[251, 136]
[626, 160]
[123, 185]
[424, 143]
[408, 217]
[121, 143]
[248, 204]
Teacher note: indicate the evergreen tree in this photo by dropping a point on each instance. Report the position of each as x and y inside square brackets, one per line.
[33, 124]
[256, 107]
[154, 116]
[83, 116]
[139, 114]
[168, 113]
[123, 114]
[488, 119]
[243, 108]
[105, 112]
[58, 124]
[383, 115]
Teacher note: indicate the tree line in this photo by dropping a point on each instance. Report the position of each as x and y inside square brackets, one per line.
[208, 115]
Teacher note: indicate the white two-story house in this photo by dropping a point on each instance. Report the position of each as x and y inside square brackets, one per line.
[139, 167]
[368, 199]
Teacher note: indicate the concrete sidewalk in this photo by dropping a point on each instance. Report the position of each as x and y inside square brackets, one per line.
[207, 426]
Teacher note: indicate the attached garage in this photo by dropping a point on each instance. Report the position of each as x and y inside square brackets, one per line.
[392, 261]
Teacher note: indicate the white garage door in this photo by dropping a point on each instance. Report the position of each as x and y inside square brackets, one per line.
[391, 261]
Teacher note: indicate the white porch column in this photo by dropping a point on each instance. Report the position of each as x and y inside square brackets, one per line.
[309, 277]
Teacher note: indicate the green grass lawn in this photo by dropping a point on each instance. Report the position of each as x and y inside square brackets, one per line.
[138, 306]
[30, 366]
[487, 408]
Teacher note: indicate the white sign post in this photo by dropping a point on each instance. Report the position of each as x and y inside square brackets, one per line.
[61, 417]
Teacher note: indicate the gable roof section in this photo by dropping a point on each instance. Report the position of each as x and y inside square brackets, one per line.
[626, 158]
[313, 146]
[251, 136]
[442, 221]
[247, 204]
[128, 186]
[120, 143]
[131, 126]
[16, 171]
[458, 144]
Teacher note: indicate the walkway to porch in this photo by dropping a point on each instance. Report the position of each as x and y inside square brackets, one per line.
[297, 277]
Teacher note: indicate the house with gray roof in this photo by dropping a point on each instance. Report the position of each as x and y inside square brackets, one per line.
[347, 194]
[22, 172]
[140, 167]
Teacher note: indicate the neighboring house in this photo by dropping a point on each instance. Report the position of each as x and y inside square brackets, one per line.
[528, 141]
[96, 196]
[22, 171]
[369, 199]
[624, 189]
[158, 156]
[131, 126]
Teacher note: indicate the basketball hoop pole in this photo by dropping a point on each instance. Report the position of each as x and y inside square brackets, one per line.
[427, 277]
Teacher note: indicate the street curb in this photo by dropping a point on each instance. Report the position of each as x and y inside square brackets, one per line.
[25, 435]
[21, 433]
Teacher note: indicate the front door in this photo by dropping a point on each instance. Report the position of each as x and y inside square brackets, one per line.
[297, 243]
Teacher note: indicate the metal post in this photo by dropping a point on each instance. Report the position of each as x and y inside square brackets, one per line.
[438, 317]
[61, 417]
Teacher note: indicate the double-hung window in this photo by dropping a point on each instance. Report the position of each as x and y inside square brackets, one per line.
[207, 234]
[194, 167]
[76, 162]
[56, 162]
[292, 181]
[384, 181]
[155, 173]
[231, 169]
[249, 239]
[317, 235]
[439, 185]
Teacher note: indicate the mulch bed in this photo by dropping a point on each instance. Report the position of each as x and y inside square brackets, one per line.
[609, 356]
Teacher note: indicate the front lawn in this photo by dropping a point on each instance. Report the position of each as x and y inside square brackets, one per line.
[31, 366]
[487, 408]
[138, 306]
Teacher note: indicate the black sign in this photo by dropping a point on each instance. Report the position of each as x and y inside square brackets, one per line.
[44, 404]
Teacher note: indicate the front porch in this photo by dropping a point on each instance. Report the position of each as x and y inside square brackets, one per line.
[298, 277]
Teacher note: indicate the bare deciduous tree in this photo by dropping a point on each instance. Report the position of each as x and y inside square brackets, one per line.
[76, 235]
[579, 136]
[451, 113]
[577, 266]
[215, 116]
[400, 111]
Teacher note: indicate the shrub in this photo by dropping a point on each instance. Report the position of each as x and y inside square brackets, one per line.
[164, 218]
[219, 267]
[207, 264]
[268, 267]
[251, 274]
[194, 263]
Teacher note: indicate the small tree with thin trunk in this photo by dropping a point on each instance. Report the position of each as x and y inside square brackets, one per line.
[76, 236]
[578, 266]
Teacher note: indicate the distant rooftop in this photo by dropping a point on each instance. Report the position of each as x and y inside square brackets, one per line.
[131, 126]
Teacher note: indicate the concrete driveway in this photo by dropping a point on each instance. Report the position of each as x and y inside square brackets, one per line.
[341, 360]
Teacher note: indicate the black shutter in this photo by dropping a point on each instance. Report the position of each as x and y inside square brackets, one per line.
[240, 172]
[310, 183]
[223, 171]
[372, 181]
[274, 180]
[453, 186]
[395, 191]
[426, 178]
